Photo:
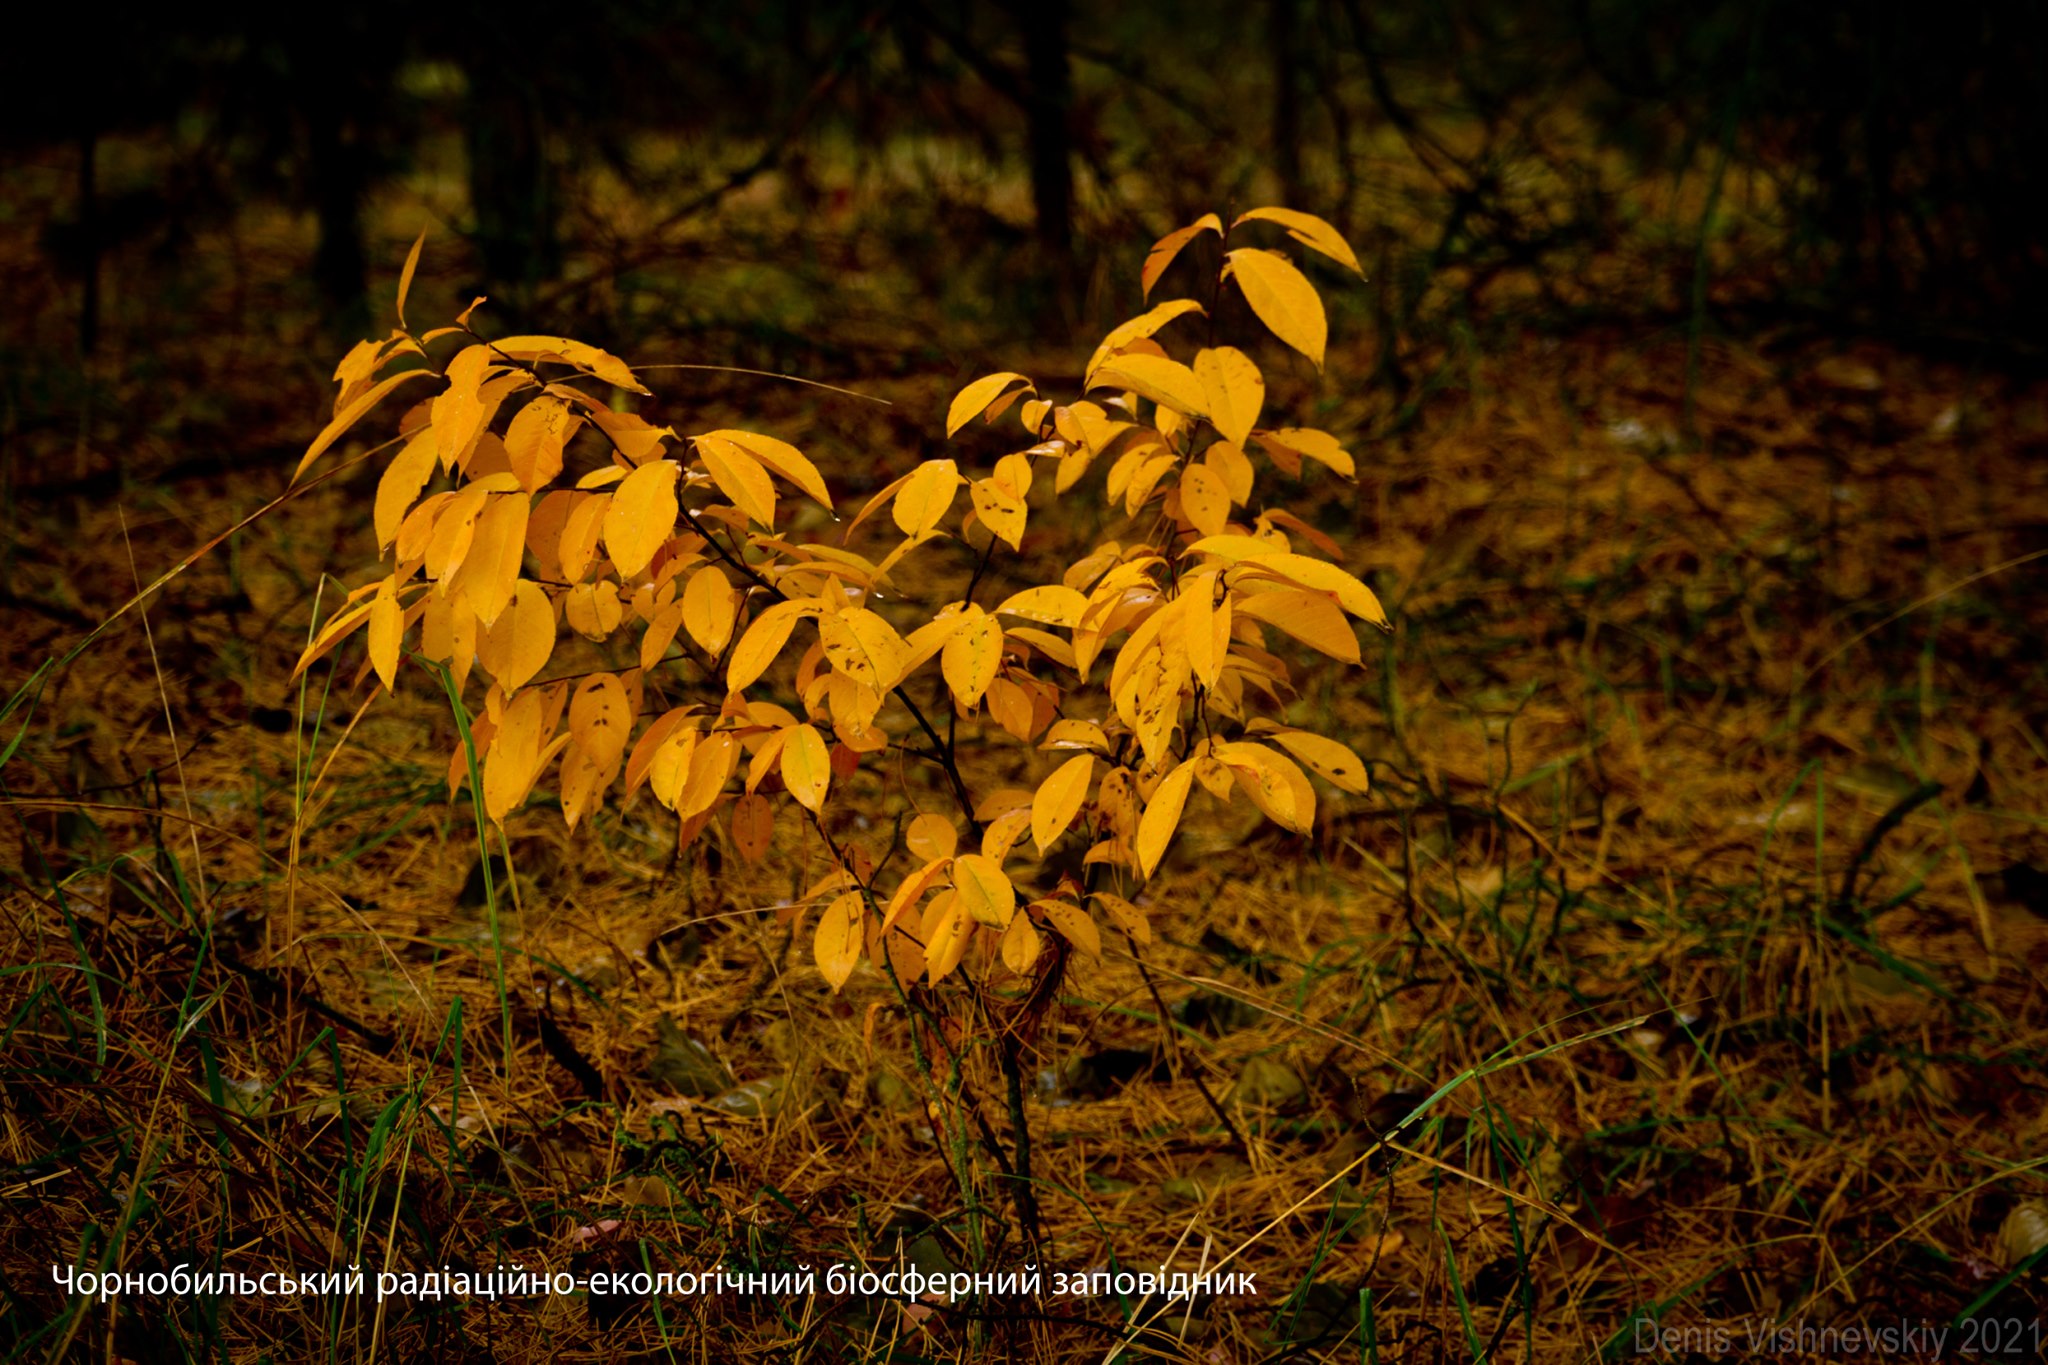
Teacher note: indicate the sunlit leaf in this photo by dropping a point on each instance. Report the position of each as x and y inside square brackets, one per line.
[642, 516]
[387, 631]
[1166, 382]
[1310, 231]
[971, 401]
[1072, 924]
[1166, 248]
[603, 364]
[1283, 299]
[710, 607]
[983, 889]
[352, 414]
[1234, 389]
[972, 656]
[1162, 817]
[931, 837]
[1059, 799]
[601, 718]
[924, 499]
[806, 766]
[761, 643]
[839, 939]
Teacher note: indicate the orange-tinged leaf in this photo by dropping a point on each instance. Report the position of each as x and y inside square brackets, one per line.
[740, 477]
[925, 497]
[600, 718]
[1162, 817]
[931, 837]
[519, 646]
[914, 886]
[983, 890]
[650, 743]
[1058, 800]
[1165, 381]
[412, 263]
[946, 940]
[535, 440]
[1127, 917]
[839, 939]
[1234, 388]
[710, 608]
[972, 657]
[753, 826]
[495, 553]
[352, 414]
[387, 631]
[1071, 922]
[1310, 617]
[710, 767]
[806, 766]
[1000, 510]
[1021, 945]
[762, 642]
[581, 529]
[514, 755]
[1310, 231]
[863, 646]
[1274, 782]
[583, 783]
[400, 485]
[603, 364]
[593, 610]
[641, 517]
[1076, 734]
[973, 400]
[1204, 499]
[782, 458]
[1002, 835]
[1166, 248]
[1319, 446]
[1283, 299]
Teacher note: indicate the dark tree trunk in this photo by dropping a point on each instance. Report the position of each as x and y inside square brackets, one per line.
[1049, 100]
[1283, 38]
[511, 186]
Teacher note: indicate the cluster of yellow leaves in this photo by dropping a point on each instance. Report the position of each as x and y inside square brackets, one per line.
[675, 538]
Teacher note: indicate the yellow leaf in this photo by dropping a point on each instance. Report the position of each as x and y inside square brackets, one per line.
[1021, 945]
[412, 263]
[1310, 617]
[838, 944]
[1233, 466]
[492, 565]
[1351, 594]
[1072, 924]
[971, 401]
[863, 646]
[983, 890]
[352, 414]
[1001, 511]
[740, 477]
[400, 485]
[915, 885]
[1137, 329]
[1002, 835]
[523, 640]
[924, 499]
[1283, 299]
[1206, 646]
[1077, 734]
[1235, 547]
[1204, 500]
[583, 784]
[1162, 817]
[1129, 918]
[710, 766]
[1274, 783]
[761, 643]
[1234, 388]
[535, 439]
[1335, 763]
[1054, 605]
[972, 657]
[593, 610]
[946, 940]
[931, 837]
[1310, 231]
[806, 766]
[387, 631]
[1166, 382]
[642, 516]
[600, 718]
[1059, 799]
[753, 826]
[710, 607]
[784, 459]
[581, 529]
[1319, 446]
[1166, 248]
[458, 410]
[603, 364]
[513, 757]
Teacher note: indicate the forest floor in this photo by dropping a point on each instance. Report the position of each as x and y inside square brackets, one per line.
[1700, 906]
